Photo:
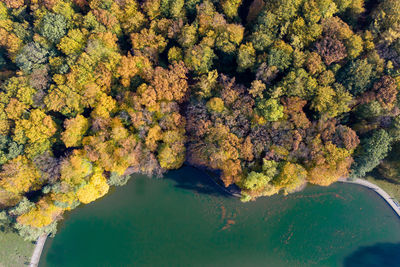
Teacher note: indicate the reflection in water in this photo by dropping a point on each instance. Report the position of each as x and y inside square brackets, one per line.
[186, 220]
[379, 255]
[197, 183]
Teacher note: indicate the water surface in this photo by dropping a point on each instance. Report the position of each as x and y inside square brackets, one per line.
[185, 220]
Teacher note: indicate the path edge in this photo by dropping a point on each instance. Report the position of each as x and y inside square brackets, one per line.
[382, 193]
[37, 252]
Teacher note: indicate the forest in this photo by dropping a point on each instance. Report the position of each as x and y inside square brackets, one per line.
[269, 95]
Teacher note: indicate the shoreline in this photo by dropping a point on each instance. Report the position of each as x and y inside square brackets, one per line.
[382, 193]
[217, 181]
[34, 262]
[223, 188]
[37, 252]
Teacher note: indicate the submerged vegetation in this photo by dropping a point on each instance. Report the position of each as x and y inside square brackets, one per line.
[272, 94]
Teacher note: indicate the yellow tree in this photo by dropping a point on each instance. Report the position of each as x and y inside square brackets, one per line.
[130, 66]
[230, 7]
[130, 17]
[154, 134]
[171, 84]
[8, 39]
[73, 42]
[171, 153]
[19, 176]
[75, 128]
[148, 42]
[290, 177]
[105, 104]
[37, 128]
[75, 169]
[42, 214]
[95, 188]
[329, 165]
[15, 109]
[19, 88]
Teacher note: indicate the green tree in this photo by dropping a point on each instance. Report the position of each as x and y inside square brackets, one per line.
[9, 149]
[298, 83]
[357, 76]
[246, 56]
[330, 102]
[386, 15]
[118, 180]
[32, 56]
[270, 109]
[200, 58]
[369, 110]
[230, 7]
[371, 152]
[280, 55]
[256, 180]
[53, 27]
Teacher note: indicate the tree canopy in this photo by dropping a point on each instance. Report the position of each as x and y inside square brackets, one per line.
[271, 96]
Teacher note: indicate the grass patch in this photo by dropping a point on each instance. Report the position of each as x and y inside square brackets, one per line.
[392, 189]
[14, 251]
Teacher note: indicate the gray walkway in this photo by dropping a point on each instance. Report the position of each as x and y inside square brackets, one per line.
[38, 251]
[392, 202]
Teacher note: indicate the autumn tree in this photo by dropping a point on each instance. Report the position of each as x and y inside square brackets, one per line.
[19, 176]
[331, 50]
[386, 91]
[291, 177]
[246, 56]
[230, 8]
[94, 91]
[95, 188]
[75, 128]
[199, 58]
[43, 214]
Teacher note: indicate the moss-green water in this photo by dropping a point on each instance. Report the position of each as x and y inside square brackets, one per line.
[184, 220]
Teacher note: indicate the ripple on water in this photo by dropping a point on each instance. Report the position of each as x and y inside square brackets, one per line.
[185, 220]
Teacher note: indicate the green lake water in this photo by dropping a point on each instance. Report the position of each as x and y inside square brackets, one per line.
[185, 220]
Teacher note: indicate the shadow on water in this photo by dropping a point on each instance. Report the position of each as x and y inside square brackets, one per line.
[380, 254]
[196, 180]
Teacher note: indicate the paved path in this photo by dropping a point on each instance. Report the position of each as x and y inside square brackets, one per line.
[38, 251]
[392, 202]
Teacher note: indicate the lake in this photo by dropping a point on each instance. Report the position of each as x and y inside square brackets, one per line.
[184, 219]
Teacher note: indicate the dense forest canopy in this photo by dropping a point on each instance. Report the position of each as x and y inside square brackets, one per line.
[270, 94]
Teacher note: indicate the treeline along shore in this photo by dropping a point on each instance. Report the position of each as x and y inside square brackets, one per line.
[270, 94]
